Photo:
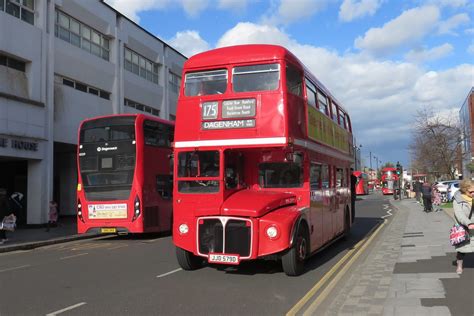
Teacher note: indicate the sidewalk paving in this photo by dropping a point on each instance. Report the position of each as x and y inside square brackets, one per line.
[32, 237]
[408, 271]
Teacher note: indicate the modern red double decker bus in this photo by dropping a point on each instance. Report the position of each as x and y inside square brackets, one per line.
[262, 160]
[362, 184]
[125, 180]
[389, 180]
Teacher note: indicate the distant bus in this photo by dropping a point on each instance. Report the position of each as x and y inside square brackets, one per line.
[362, 184]
[124, 174]
[389, 180]
[262, 160]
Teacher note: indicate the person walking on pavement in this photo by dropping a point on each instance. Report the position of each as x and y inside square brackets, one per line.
[463, 207]
[436, 198]
[417, 190]
[426, 192]
[53, 215]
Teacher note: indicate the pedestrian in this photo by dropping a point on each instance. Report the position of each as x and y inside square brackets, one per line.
[463, 208]
[436, 198]
[3, 213]
[353, 194]
[407, 189]
[417, 190]
[53, 215]
[426, 193]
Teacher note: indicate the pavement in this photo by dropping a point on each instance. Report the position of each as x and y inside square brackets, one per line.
[29, 237]
[408, 271]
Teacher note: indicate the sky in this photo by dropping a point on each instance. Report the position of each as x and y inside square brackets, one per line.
[384, 60]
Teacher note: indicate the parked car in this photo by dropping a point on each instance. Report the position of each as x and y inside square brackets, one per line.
[452, 189]
[443, 188]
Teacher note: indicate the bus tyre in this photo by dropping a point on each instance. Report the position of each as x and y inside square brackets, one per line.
[293, 260]
[187, 260]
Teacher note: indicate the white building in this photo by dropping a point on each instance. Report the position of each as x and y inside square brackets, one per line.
[62, 61]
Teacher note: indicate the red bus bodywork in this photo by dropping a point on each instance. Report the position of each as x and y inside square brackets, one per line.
[389, 180]
[248, 135]
[124, 174]
[362, 185]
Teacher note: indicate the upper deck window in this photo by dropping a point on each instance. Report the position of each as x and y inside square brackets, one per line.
[256, 78]
[205, 82]
[323, 103]
[334, 112]
[294, 81]
[311, 93]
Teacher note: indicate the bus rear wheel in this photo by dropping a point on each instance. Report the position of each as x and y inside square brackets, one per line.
[293, 260]
[187, 260]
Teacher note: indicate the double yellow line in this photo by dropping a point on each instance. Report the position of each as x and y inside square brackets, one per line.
[350, 256]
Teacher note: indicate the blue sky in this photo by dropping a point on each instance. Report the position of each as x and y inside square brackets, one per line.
[384, 60]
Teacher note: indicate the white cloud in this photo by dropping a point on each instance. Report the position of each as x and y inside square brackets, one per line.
[353, 9]
[374, 92]
[237, 5]
[189, 43]
[131, 8]
[448, 26]
[469, 31]
[422, 54]
[470, 49]
[409, 27]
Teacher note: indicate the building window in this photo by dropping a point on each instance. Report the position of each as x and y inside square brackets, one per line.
[22, 9]
[82, 87]
[172, 117]
[78, 34]
[141, 107]
[141, 66]
[175, 82]
[12, 63]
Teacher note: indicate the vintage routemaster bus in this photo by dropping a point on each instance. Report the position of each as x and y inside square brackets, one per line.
[389, 180]
[125, 174]
[262, 160]
[362, 184]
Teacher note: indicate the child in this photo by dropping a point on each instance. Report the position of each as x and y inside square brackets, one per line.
[53, 214]
[436, 198]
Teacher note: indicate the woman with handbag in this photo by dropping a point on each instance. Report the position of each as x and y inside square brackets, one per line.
[463, 209]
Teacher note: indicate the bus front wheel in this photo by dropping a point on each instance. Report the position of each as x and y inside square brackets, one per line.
[187, 260]
[293, 260]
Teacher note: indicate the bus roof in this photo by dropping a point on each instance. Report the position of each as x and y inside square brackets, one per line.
[251, 53]
[155, 118]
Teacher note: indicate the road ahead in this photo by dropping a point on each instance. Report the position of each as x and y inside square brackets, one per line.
[130, 275]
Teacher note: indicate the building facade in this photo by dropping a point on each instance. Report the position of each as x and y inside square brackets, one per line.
[466, 118]
[61, 62]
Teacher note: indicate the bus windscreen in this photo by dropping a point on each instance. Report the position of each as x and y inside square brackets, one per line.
[205, 82]
[199, 165]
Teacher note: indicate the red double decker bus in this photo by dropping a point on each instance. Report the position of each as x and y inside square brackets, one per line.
[125, 181]
[389, 180]
[262, 160]
[362, 185]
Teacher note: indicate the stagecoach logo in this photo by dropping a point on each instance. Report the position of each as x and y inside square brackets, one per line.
[99, 149]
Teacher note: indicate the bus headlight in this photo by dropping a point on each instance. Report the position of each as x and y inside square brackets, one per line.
[272, 232]
[183, 229]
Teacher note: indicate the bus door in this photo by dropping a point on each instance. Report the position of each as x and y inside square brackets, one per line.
[316, 204]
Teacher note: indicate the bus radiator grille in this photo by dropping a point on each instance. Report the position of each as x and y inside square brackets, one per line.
[237, 237]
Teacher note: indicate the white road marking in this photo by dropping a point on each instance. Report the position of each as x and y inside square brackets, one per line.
[168, 273]
[73, 256]
[389, 213]
[66, 309]
[15, 268]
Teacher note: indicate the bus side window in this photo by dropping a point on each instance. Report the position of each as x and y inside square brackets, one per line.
[164, 185]
[315, 173]
[325, 176]
[339, 177]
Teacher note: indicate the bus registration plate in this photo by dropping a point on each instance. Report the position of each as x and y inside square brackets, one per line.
[108, 230]
[224, 259]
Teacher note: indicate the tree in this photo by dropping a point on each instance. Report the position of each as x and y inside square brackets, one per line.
[435, 142]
